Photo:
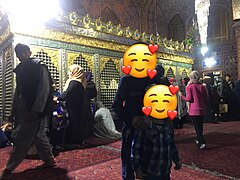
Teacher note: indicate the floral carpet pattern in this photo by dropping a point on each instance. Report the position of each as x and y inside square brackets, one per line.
[100, 159]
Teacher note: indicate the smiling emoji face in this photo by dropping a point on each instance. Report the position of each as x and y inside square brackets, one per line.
[138, 61]
[161, 101]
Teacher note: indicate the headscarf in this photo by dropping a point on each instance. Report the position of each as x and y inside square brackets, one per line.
[77, 74]
[88, 76]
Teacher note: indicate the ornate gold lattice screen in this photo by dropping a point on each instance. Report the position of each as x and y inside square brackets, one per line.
[170, 72]
[109, 78]
[50, 58]
[81, 61]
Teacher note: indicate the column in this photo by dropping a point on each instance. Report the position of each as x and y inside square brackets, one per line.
[237, 37]
[236, 26]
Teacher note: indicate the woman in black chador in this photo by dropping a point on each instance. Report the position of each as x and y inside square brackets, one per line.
[75, 97]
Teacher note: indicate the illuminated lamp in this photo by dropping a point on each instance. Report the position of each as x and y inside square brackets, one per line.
[210, 62]
[204, 50]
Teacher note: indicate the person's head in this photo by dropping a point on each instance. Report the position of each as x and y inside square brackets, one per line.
[88, 76]
[160, 70]
[99, 105]
[76, 71]
[227, 77]
[194, 76]
[207, 79]
[186, 80]
[23, 52]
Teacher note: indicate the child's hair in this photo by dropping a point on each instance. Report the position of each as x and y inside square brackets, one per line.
[140, 43]
[227, 75]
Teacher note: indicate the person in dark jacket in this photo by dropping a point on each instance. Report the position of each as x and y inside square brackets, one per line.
[91, 93]
[159, 78]
[30, 109]
[128, 105]
[91, 87]
[229, 97]
[74, 95]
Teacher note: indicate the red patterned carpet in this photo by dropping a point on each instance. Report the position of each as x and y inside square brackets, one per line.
[222, 152]
[103, 160]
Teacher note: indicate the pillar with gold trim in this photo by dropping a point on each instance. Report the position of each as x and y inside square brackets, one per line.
[236, 26]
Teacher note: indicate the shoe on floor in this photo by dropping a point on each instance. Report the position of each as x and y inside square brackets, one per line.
[47, 164]
[197, 142]
[6, 174]
[203, 146]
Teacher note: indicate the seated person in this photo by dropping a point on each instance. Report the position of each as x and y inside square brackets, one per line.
[103, 125]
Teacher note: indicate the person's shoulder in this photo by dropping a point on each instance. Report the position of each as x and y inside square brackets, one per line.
[123, 78]
[35, 60]
[126, 79]
[190, 85]
[38, 63]
[75, 83]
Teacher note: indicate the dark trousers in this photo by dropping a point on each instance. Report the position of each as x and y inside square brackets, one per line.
[162, 177]
[198, 125]
[127, 168]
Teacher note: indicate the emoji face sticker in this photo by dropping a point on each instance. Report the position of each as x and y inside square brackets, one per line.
[160, 102]
[140, 60]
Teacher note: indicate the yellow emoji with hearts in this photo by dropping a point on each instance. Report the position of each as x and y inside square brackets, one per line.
[160, 102]
[140, 60]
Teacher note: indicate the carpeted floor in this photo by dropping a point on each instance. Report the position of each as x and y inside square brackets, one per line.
[100, 159]
[222, 152]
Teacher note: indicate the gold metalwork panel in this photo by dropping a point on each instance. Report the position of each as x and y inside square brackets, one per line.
[51, 58]
[82, 59]
[175, 58]
[5, 35]
[183, 72]
[110, 76]
[105, 59]
[76, 39]
[53, 54]
[170, 71]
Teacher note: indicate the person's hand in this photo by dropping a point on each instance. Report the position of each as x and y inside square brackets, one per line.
[55, 99]
[141, 122]
[7, 126]
[178, 165]
[139, 174]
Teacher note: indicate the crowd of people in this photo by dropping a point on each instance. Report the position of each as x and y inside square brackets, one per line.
[41, 114]
[148, 148]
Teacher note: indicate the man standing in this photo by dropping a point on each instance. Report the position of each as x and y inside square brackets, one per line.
[30, 109]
